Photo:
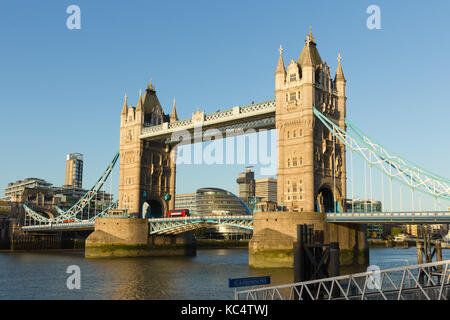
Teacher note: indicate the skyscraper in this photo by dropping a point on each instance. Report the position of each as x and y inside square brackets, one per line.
[74, 170]
[246, 185]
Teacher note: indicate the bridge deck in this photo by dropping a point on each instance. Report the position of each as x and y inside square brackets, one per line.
[174, 225]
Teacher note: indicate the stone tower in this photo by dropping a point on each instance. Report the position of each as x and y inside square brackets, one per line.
[311, 163]
[147, 172]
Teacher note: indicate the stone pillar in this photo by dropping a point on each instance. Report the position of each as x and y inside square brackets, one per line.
[172, 181]
[129, 237]
[275, 232]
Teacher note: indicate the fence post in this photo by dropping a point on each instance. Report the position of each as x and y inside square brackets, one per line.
[334, 259]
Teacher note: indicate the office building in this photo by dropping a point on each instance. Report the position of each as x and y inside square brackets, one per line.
[215, 201]
[186, 201]
[266, 189]
[29, 189]
[246, 185]
[374, 230]
[74, 170]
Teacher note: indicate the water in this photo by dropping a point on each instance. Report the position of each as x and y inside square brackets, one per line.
[43, 275]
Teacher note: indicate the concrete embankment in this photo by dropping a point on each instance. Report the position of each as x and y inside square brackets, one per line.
[128, 237]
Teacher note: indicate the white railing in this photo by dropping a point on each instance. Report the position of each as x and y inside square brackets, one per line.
[429, 281]
[213, 119]
[430, 216]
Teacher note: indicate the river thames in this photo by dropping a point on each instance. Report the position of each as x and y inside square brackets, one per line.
[43, 275]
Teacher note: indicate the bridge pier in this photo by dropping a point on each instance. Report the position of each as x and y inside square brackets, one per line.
[275, 232]
[129, 237]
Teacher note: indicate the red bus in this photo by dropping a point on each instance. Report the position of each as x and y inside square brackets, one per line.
[178, 213]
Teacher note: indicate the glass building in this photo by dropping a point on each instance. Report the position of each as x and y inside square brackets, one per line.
[215, 201]
[373, 230]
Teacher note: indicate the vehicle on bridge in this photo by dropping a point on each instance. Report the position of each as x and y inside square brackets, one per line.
[221, 212]
[178, 213]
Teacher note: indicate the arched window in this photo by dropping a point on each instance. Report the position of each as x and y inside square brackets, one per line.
[301, 161]
[289, 163]
[294, 161]
[295, 133]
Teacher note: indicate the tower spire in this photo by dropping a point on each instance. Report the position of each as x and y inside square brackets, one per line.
[125, 104]
[339, 71]
[139, 104]
[280, 66]
[174, 116]
[310, 55]
[150, 86]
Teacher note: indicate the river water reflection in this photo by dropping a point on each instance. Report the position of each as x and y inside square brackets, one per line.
[43, 275]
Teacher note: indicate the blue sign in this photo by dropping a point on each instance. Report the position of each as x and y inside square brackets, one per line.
[246, 282]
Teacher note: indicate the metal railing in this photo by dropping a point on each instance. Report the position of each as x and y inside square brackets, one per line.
[429, 281]
[394, 217]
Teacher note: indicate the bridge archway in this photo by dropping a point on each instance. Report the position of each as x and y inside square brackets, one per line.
[325, 200]
[154, 208]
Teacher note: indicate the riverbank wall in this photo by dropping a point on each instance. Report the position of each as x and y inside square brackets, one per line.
[128, 237]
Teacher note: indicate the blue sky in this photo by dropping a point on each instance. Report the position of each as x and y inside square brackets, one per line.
[62, 90]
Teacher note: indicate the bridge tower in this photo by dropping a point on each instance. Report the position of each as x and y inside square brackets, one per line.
[311, 164]
[147, 172]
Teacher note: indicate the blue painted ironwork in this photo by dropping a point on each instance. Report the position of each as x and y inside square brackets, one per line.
[388, 163]
[183, 224]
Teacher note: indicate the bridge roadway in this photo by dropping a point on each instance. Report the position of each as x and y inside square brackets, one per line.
[174, 225]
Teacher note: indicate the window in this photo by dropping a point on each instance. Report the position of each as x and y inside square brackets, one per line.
[292, 96]
[294, 161]
[288, 134]
[289, 163]
[294, 187]
[295, 133]
[298, 95]
[301, 161]
[293, 77]
[300, 132]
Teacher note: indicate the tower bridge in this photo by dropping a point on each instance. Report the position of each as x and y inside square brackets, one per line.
[314, 140]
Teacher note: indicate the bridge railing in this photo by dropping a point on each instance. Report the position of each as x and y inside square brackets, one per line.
[430, 281]
[173, 225]
[409, 216]
[55, 226]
